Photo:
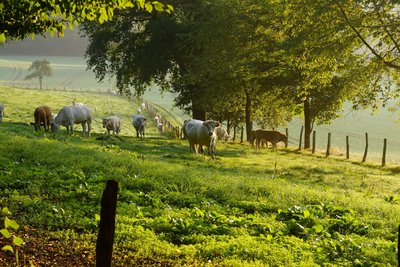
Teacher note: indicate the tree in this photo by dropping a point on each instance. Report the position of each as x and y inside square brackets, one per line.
[40, 69]
[375, 23]
[21, 18]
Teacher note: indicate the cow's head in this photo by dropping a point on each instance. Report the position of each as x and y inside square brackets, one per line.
[105, 122]
[54, 127]
[210, 124]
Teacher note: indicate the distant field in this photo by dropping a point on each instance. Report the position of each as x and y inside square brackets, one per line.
[70, 74]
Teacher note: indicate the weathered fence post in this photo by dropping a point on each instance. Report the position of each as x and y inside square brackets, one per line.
[314, 133]
[301, 137]
[287, 134]
[347, 147]
[328, 146]
[366, 148]
[398, 247]
[105, 239]
[384, 152]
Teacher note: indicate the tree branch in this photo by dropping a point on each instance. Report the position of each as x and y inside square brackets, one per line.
[373, 51]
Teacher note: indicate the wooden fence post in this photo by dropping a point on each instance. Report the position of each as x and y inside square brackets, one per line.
[347, 147]
[398, 247]
[314, 133]
[328, 146]
[105, 239]
[301, 137]
[366, 148]
[384, 152]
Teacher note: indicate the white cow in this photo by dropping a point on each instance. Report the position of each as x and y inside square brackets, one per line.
[221, 134]
[112, 123]
[139, 121]
[160, 127]
[201, 133]
[70, 115]
[1, 112]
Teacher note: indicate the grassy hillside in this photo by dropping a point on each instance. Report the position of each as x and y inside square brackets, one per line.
[245, 208]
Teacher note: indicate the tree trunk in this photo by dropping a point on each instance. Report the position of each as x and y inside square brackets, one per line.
[249, 124]
[40, 82]
[307, 123]
[198, 112]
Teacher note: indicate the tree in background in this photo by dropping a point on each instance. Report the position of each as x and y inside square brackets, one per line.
[40, 69]
[225, 57]
[22, 18]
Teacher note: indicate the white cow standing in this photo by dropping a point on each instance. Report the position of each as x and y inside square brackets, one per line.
[201, 133]
[112, 123]
[139, 121]
[222, 134]
[70, 115]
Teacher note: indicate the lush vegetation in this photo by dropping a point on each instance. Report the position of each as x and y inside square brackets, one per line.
[246, 208]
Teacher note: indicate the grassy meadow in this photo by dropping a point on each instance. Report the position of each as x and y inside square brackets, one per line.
[245, 208]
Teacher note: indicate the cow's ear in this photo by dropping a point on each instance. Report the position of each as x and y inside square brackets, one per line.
[217, 124]
[205, 123]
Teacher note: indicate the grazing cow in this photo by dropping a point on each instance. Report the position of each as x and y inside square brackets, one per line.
[112, 123]
[143, 105]
[42, 116]
[221, 134]
[1, 112]
[273, 137]
[70, 115]
[156, 121]
[201, 133]
[139, 121]
[113, 93]
[160, 127]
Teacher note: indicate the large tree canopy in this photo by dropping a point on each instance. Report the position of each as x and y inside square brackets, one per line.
[21, 18]
[226, 57]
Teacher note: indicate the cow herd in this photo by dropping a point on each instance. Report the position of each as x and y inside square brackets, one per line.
[200, 134]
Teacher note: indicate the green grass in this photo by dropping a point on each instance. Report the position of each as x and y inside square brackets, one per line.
[245, 208]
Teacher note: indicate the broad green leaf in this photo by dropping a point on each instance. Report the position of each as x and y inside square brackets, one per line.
[5, 211]
[7, 247]
[318, 228]
[149, 7]
[18, 241]
[269, 237]
[5, 233]
[97, 217]
[306, 213]
[2, 38]
[11, 223]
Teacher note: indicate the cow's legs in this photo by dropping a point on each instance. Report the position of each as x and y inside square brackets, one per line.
[83, 128]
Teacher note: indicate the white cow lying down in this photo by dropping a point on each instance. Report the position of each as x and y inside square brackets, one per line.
[70, 115]
[201, 133]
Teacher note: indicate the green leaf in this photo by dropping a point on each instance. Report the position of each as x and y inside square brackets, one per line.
[11, 223]
[269, 237]
[306, 213]
[318, 228]
[5, 211]
[5, 233]
[97, 217]
[2, 38]
[149, 7]
[7, 247]
[18, 241]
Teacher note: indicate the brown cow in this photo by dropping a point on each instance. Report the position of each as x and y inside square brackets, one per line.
[273, 137]
[42, 116]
